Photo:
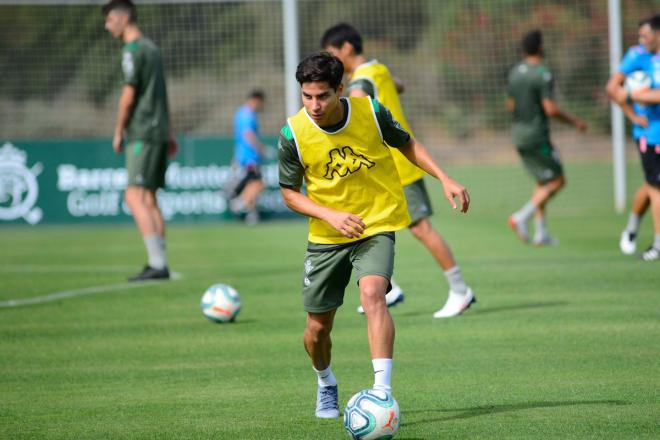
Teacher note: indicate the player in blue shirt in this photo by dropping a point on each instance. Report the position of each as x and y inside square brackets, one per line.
[248, 154]
[637, 58]
[649, 142]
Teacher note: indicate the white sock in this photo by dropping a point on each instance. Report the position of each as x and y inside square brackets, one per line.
[382, 374]
[524, 213]
[541, 228]
[633, 223]
[325, 377]
[456, 281]
[155, 245]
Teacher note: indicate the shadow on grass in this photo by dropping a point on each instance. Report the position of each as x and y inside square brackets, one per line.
[477, 411]
[479, 310]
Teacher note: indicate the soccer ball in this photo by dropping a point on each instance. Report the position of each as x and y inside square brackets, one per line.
[372, 414]
[221, 303]
[637, 80]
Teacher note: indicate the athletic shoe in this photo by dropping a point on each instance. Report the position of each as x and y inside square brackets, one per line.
[651, 254]
[628, 243]
[546, 240]
[327, 402]
[149, 273]
[520, 228]
[456, 304]
[393, 297]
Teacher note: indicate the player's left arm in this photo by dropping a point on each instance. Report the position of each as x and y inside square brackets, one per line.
[646, 96]
[417, 153]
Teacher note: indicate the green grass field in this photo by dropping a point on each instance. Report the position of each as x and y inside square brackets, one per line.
[563, 343]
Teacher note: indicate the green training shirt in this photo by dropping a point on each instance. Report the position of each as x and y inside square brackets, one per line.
[292, 171]
[528, 85]
[142, 66]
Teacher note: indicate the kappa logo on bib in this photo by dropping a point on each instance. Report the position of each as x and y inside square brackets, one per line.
[345, 161]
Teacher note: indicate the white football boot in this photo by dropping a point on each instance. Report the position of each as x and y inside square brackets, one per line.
[456, 304]
[628, 242]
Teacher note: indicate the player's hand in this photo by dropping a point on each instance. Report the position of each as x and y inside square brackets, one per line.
[581, 125]
[454, 190]
[349, 225]
[118, 143]
[639, 120]
[172, 148]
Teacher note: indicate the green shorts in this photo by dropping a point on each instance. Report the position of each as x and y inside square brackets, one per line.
[542, 161]
[146, 163]
[328, 269]
[419, 203]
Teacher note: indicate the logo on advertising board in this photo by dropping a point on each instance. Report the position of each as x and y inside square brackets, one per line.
[19, 188]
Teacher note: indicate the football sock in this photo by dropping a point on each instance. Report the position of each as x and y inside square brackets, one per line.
[456, 281]
[540, 228]
[633, 223]
[656, 241]
[155, 245]
[382, 374]
[524, 213]
[325, 377]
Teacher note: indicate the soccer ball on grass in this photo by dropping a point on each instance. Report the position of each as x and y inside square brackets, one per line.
[372, 414]
[221, 303]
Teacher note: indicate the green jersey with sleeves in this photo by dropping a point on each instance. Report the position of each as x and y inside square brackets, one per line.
[292, 171]
[142, 68]
[528, 85]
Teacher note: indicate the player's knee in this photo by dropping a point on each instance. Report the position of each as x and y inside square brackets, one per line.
[421, 229]
[319, 329]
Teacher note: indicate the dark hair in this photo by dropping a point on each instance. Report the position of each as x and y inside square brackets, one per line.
[257, 94]
[532, 42]
[321, 67]
[341, 33]
[653, 21]
[122, 5]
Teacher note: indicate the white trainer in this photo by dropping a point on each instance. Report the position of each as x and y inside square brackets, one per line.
[393, 297]
[456, 304]
[628, 242]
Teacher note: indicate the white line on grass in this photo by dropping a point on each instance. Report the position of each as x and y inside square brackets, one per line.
[84, 291]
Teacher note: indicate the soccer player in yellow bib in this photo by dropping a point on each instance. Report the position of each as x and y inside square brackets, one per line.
[355, 203]
[371, 78]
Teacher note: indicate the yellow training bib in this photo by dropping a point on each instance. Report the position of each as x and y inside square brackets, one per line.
[350, 170]
[385, 92]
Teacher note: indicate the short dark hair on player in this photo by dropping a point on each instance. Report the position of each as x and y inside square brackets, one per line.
[257, 94]
[123, 5]
[532, 42]
[320, 67]
[342, 33]
[653, 21]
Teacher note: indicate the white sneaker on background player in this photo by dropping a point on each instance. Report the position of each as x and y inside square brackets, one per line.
[628, 242]
[456, 304]
[393, 297]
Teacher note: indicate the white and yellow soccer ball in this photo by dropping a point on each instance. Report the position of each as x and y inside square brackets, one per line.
[372, 414]
[221, 303]
[637, 80]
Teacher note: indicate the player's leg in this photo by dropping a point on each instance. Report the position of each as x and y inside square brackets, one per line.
[325, 278]
[641, 201]
[249, 195]
[651, 166]
[146, 164]
[373, 262]
[653, 252]
[640, 204]
[544, 165]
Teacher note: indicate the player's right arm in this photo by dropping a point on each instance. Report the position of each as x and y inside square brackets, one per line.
[126, 103]
[291, 178]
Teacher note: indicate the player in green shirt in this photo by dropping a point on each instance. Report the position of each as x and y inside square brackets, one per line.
[530, 99]
[143, 125]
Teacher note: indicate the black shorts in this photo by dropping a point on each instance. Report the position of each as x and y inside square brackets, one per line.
[248, 174]
[650, 155]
